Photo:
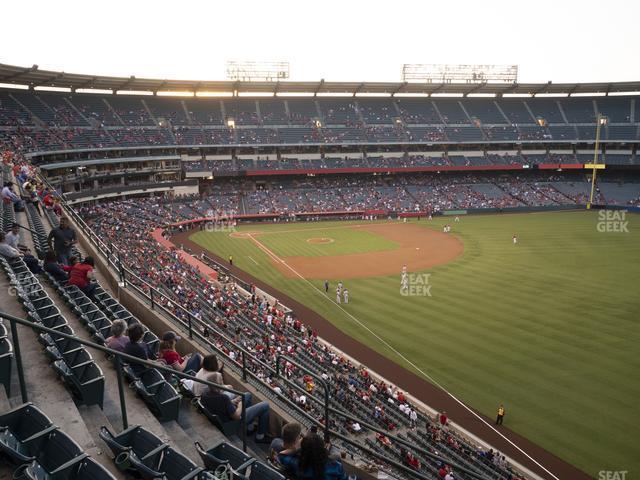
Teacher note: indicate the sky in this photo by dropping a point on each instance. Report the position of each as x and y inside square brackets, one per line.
[559, 41]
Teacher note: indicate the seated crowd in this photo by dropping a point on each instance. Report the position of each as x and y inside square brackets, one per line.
[229, 319]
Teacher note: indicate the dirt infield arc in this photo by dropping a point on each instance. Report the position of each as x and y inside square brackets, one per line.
[419, 248]
[410, 382]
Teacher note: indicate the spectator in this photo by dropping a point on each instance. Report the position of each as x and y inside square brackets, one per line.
[137, 348]
[219, 404]
[8, 251]
[314, 462]
[8, 197]
[13, 238]
[32, 198]
[210, 364]
[118, 340]
[285, 451]
[48, 199]
[444, 420]
[61, 239]
[59, 272]
[188, 364]
[81, 275]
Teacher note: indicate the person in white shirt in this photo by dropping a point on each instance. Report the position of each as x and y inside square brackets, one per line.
[413, 417]
[9, 197]
[13, 238]
[8, 251]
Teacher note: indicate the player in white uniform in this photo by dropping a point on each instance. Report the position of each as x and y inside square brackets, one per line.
[345, 294]
[515, 239]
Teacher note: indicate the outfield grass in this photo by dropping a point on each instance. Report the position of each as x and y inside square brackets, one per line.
[549, 327]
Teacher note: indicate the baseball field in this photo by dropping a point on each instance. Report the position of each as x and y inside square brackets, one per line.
[548, 326]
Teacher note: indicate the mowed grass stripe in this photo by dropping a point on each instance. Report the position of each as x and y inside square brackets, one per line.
[547, 326]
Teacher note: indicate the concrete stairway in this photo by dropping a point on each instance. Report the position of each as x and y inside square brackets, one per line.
[82, 422]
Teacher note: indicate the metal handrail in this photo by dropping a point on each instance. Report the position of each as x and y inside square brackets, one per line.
[120, 356]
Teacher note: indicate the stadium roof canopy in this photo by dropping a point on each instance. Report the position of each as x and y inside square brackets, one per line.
[34, 77]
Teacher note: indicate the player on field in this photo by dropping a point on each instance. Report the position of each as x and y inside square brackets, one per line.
[515, 239]
[345, 295]
[338, 297]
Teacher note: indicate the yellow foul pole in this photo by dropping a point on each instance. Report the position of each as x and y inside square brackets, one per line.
[595, 159]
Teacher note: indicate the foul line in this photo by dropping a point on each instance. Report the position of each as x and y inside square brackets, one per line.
[409, 362]
[251, 258]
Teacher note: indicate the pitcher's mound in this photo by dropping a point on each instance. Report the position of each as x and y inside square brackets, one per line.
[320, 240]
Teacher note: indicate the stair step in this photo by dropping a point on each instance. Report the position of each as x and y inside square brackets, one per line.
[4, 401]
[94, 418]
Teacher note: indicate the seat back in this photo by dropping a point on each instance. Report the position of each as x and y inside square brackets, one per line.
[57, 450]
[261, 471]
[228, 452]
[6, 360]
[21, 432]
[177, 466]
[89, 469]
[140, 440]
[228, 428]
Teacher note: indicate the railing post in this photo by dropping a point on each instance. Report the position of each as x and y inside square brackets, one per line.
[326, 413]
[121, 270]
[18, 357]
[190, 327]
[244, 366]
[123, 405]
[151, 289]
[243, 422]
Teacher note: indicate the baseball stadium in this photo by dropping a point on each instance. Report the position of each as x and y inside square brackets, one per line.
[260, 278]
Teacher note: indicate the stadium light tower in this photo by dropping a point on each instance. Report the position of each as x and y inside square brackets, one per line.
[601, 121]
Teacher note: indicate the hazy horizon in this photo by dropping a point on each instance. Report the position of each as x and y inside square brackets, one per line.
[549, 41]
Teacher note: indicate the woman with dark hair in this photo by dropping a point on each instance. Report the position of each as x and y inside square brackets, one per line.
[52, 267]
[137, 348]
[314, 462]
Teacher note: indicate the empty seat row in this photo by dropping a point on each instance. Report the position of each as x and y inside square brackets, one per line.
[6, 359]
[138, 450]
[71, 361]
[40, 450]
